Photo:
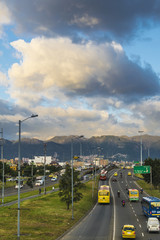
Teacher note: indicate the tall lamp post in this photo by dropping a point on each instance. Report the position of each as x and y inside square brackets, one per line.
[140, 132]
[2, 165]
[72, 173]
[45, 146]
[19, 168]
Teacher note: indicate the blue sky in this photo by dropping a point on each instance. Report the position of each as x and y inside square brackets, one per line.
[85, 67]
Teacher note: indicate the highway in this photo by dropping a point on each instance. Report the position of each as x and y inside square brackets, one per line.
[95, 226]
[132, 212]
[105, 222]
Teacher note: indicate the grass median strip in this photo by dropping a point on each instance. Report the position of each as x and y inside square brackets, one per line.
[44, 217]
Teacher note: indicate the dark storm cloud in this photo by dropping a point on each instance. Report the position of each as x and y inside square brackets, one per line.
[125, 80]
[121, 18]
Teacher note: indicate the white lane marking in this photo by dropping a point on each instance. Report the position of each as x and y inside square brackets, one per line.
[137, 220]
[142, 234]
[140, 225]
[114, 210]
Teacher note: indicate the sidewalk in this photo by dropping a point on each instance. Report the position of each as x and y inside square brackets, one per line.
[30, 197]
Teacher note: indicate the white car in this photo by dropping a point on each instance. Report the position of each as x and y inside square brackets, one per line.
[11, 179]
[54, 179]
[153, 224]
[21, 186]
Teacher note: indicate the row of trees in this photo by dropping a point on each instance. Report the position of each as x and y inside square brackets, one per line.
[155, 165]
[27, 171]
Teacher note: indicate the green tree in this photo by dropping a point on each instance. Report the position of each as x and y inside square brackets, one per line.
[65, 189]
[31, 181]
[155, 165]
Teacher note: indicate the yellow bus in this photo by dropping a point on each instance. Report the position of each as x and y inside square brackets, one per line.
[133, 194]
[104, 194]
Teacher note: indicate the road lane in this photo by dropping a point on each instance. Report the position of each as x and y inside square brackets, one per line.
[132, 212]
[95, 226]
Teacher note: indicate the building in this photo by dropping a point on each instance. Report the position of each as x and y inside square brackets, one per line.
[40, 160]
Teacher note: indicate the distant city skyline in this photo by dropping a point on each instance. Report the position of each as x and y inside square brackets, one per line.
[85, 67]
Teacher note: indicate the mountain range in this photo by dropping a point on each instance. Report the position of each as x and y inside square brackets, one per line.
[111, 147]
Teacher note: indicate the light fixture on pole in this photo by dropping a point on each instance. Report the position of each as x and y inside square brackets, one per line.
[72, 173]
[140, 132]
[19, 169]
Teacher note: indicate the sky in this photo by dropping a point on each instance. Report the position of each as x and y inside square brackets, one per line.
[86, 67]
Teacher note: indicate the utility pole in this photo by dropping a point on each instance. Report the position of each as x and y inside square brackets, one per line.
[140, 132]
[32, 173]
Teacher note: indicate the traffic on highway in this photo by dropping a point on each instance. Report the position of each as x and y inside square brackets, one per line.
[122, 217]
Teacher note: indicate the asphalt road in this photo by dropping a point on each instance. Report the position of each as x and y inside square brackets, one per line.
[12, 191]
[95, 226]
[105, 221]
[132, 212]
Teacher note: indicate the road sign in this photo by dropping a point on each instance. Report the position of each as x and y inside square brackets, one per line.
[142, 169]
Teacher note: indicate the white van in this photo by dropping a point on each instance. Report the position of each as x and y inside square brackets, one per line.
[153, 224]
[39, 182]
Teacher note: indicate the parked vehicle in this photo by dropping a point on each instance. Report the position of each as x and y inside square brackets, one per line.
[153, 224]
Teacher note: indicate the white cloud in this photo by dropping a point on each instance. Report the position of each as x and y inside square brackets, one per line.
[5, 16]
[3, 79]
[49, 66]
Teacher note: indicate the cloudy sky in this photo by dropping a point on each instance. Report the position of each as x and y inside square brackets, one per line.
[86, 67]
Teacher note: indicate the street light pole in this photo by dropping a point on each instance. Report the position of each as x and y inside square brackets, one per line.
[72, 173]
[140, 132]
[19, 169]
[72, 176]
[2, 166]
[32, 173]
[45, 145]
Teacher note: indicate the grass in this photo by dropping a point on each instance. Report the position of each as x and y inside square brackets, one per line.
[27, 194]
[139, 175]
[147, 188]
[43, 217]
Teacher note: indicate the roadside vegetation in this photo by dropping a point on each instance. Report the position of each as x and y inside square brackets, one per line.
[44, 217]
[154, 189]
[28, 194]
[65, 186]
[151, 190]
